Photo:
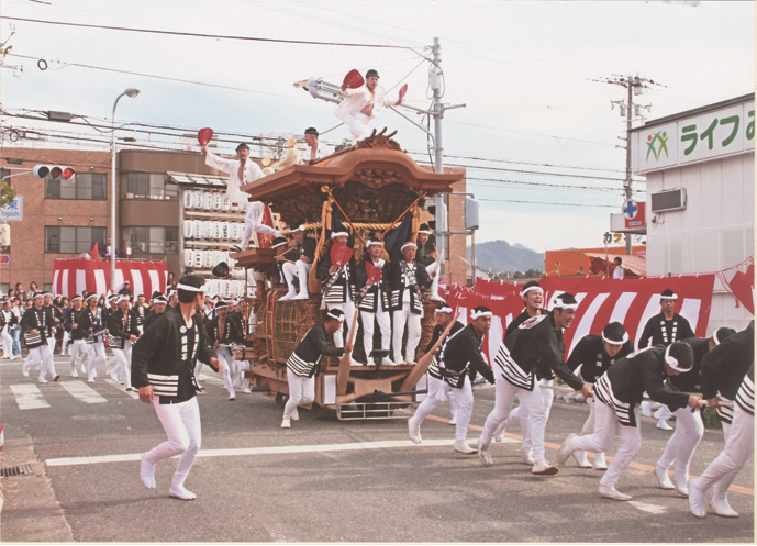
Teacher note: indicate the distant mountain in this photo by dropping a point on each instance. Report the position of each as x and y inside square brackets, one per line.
[502, 256]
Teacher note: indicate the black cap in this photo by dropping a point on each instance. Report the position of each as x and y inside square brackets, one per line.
[242, 145]
[371, 72]
[311, 131]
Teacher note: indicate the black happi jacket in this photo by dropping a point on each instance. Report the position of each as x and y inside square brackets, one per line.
[589, 353]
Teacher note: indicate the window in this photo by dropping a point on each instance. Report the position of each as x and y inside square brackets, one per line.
[80, 186]
[148, 186]
[71, 239]
[152, 240]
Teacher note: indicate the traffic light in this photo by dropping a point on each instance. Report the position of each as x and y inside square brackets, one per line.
[43, 171]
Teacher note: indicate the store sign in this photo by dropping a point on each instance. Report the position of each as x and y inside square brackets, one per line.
[718, 133]
[13, 211]
[634, 213]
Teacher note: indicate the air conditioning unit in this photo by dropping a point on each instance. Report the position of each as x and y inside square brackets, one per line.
[669, 200]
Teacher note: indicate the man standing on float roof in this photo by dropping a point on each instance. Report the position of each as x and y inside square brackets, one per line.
[362, 105]
[241, 171]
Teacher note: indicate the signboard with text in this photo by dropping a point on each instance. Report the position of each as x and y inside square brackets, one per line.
[13, 211]
[713, 134]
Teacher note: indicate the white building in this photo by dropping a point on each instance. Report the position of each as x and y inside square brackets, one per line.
[699, 167]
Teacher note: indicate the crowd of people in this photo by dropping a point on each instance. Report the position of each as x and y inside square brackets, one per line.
[670, 366]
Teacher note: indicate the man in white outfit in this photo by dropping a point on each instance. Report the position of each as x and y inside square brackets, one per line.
[362, 105]
[299, 260]
[5, 336]
[241, 171]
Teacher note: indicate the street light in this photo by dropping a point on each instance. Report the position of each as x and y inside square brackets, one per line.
[131, 93]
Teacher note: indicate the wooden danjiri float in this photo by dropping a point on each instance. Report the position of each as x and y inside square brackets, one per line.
[370, 187]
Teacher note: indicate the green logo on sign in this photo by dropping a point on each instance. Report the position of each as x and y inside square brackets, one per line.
[656, 144]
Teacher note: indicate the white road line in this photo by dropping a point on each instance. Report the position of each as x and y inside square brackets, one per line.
[82, 391]
[649, 508]
[247, 451]
[28, 397]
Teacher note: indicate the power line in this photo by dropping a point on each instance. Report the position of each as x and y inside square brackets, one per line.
[167, 78]
[201, 35]
[535, 185]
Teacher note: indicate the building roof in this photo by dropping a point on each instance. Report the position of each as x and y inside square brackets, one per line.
[696, 111]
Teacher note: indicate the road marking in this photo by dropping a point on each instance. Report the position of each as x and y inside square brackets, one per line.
[647, 507]
[133, 394]
[28, 397]
[81, 391]
[246, 451]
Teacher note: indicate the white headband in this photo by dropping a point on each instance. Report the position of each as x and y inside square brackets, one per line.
[567, 306]
[339, 233]
[425, 232]
[613, 342]
[526, 290]
[380, 243]
[407, 244]
[444, 309]
[92, 296]
[77, 297]
[189, 288]
[673, 361]
[475, 315]
[335, 317]
[673, 297]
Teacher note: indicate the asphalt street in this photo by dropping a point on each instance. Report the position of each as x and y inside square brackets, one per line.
[77, 447]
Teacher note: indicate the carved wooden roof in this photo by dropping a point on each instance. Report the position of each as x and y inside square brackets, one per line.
[374, 181]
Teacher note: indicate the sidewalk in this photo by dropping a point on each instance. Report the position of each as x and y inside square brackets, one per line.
[31, 512]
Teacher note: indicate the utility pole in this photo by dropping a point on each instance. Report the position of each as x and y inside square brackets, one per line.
[634, 85]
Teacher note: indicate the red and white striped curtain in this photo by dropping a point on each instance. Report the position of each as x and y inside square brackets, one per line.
[72, 276]
[629, 301]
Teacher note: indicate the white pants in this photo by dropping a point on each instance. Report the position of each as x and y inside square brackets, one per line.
[739, 446]
[521, 413]
[464, 399]
[358, 127]
[605, 423]
[64, 344]
[242, 366]
[537, 403]
[51, 344]
[301, 391]
[40, 356]
[224, 353]
[399, 318]
[438, 391]
[683, 442]
[181, 422]
[369, 326]
[588, 427]
[7, 344]
[123, 364]
[300, 270]
[253, 222]
[348, 308]
[78, 352]
[96, 356]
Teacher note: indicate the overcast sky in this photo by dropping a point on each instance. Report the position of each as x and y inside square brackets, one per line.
[532, 74]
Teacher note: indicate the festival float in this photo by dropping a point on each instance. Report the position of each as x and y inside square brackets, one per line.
[373, 188]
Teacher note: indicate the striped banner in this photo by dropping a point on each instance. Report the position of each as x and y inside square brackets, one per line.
[629, 301]
[72, 276]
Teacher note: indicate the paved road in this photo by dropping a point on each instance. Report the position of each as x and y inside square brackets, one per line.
[321, 481]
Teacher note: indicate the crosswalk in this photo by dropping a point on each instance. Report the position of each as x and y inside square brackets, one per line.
[31, 396]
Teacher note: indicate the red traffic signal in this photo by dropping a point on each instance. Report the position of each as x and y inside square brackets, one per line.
[43, 171]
